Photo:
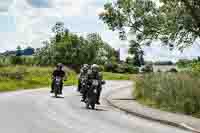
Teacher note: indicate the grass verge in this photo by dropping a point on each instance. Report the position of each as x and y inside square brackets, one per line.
[170, 92]
[25, 77]
[116, 76]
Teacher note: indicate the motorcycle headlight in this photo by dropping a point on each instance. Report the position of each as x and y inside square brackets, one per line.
[95, 91]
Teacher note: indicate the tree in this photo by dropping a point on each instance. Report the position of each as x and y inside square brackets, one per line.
[19, 51]
[136, 50]
[59, 29]
[171, 21]
[73, 50]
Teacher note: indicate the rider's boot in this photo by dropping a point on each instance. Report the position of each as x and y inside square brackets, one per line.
[79, 86]
[61, 88]
[83, 97]
[98, 97]
[52, 84]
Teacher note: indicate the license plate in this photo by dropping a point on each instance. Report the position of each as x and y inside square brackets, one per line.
[95, 82]
[58, 79]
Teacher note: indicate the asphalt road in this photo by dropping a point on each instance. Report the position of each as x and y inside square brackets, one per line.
[35, 111]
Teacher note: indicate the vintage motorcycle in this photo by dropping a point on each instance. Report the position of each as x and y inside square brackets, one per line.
[92, 94]
[57, 86]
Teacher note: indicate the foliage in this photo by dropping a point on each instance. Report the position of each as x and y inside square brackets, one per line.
[69, 48]
[16, 60]
[135, 49]
[19, 51]
[147, 69]
[110, 67]
[120, 68]
[184, 63]
[177, 92]
[171, 21]
[132, 69]
[173, 70]
[195, 66]
[26, 77]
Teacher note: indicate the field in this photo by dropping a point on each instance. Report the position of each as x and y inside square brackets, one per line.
[23, 77]
[116, 76]
[29, 77]
[176, 92]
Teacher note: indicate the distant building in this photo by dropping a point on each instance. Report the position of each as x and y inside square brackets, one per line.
[26, 52]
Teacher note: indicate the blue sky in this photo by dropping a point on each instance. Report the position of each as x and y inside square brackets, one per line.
[7, 23]
[29, 22]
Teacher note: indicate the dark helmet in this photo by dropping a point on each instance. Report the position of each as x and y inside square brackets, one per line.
[85, 67]
[59, 65]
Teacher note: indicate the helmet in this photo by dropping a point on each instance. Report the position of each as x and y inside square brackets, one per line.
[59, 65]
[85, 65]
[95, 68]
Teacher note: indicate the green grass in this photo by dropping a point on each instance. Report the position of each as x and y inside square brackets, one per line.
[26, 77]
[116, 76]
[170, 92]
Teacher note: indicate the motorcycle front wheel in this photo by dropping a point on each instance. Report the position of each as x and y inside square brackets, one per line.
[93, 106]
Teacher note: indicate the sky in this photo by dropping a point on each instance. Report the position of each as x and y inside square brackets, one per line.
[29, 22]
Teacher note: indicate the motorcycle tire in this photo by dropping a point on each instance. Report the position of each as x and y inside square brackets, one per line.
[56, 92]
[93, 106]
[87, 105]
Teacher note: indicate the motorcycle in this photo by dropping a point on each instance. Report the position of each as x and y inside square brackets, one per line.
[84, 86]
[91, 97]
[57, 85]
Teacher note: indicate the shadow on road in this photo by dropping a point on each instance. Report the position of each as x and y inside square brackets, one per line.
[58, 97]
[96, 109]
[100, 109]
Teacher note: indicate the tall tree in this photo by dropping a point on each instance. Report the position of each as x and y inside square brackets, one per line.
[72, 49]
[58, 29]
[136, 50]
[171, 21]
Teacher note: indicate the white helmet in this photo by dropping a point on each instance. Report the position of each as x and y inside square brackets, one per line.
[95, 67]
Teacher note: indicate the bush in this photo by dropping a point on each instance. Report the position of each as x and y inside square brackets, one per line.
[196, 67]
[121, 68]
[159, 70]
[101, 67]
[132, 70]
[147, 69]
[173, 70]
[176, 92]
[16, 60]
[110, 67]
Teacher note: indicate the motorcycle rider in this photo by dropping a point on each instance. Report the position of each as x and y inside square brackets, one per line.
[83, 73]
[95, 74]
[58, 72]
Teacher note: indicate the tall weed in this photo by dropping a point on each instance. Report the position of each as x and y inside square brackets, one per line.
[177, 92]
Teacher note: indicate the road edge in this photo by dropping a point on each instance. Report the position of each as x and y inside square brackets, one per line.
[177, 125]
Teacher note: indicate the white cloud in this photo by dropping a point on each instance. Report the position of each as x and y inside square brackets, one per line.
[4, 5]
[33, 25]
